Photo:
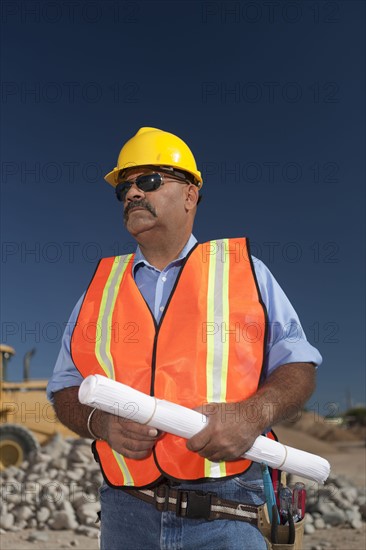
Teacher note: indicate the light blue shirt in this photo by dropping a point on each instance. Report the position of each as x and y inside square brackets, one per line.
[286, 341]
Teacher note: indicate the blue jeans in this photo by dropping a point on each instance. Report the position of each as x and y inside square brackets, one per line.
[128, 523]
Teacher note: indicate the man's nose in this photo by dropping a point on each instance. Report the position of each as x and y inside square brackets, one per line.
[134, 193]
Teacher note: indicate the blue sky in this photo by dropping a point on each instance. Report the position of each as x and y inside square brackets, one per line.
[270, 98]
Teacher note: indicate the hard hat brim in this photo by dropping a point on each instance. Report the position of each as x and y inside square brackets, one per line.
[111, 177]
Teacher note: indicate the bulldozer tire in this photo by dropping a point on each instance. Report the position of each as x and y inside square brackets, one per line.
[16, 442]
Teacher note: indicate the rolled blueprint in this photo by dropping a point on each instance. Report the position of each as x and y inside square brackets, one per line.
[121, 400]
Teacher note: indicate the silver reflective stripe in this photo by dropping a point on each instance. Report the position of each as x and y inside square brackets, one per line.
[217, 343]
[220, 299]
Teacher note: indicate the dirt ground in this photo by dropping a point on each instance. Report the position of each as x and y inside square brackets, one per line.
[346, 458]
[336, 538]
[55, 541]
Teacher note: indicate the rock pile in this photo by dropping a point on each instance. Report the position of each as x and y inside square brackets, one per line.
[338, 502]
[57, 488]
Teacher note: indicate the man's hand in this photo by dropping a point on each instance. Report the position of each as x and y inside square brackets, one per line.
[131, 439]
[128, 438]
[233, 427]
[228, 434]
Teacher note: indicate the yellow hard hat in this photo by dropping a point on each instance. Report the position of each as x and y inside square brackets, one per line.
[153, 147]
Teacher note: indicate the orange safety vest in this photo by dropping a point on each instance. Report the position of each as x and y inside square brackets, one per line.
[208, 347]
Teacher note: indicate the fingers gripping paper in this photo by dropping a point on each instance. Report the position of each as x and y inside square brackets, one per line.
[119, 399]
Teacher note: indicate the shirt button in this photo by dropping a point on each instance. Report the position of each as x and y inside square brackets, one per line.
[161, 308]
[163, 279]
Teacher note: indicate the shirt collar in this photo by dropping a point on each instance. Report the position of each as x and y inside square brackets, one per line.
[140, 260]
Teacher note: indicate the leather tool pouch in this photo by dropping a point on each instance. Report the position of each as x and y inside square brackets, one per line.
[282, 532]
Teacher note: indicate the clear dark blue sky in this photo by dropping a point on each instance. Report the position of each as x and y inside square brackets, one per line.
[270, 98]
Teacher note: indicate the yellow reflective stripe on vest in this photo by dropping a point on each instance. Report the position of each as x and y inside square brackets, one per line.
[127, 477]
[217, 343]
[103, 343]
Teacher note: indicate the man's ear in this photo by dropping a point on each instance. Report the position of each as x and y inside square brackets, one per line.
[192, 194]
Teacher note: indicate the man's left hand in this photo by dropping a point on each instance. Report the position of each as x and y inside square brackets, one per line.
[229, 434]
[233, 427]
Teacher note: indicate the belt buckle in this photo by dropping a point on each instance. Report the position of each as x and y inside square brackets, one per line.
[198, 504]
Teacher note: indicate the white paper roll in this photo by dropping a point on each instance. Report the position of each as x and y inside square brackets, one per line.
[115, 398]
[121, 400]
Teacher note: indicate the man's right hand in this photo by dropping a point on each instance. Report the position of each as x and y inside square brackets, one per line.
[128, 438]
[131, 439]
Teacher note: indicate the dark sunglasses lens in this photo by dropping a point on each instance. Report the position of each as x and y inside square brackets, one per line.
[149, 182]
[122, 190]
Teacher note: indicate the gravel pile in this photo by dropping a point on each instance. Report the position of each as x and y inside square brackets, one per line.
[337, 502]
[58, 489]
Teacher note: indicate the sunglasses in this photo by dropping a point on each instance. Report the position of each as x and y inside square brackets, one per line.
[145, 182]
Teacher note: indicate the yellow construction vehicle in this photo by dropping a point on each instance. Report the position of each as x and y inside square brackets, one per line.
[27, 419]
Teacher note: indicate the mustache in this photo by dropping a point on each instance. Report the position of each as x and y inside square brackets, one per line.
[141, 204]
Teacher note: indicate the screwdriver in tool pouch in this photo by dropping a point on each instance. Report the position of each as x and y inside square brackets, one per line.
[268, 490]
[285, 496]
[299, 498]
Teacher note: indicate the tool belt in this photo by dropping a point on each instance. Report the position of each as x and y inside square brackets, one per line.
[208, 506]
[195, 504]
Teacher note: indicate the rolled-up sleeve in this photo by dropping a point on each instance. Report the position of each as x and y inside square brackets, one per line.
[65, 374]
[286, 341]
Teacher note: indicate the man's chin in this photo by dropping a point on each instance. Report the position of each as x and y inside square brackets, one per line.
[138, 226]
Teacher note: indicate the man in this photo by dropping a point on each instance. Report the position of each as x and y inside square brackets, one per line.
[200, 325]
